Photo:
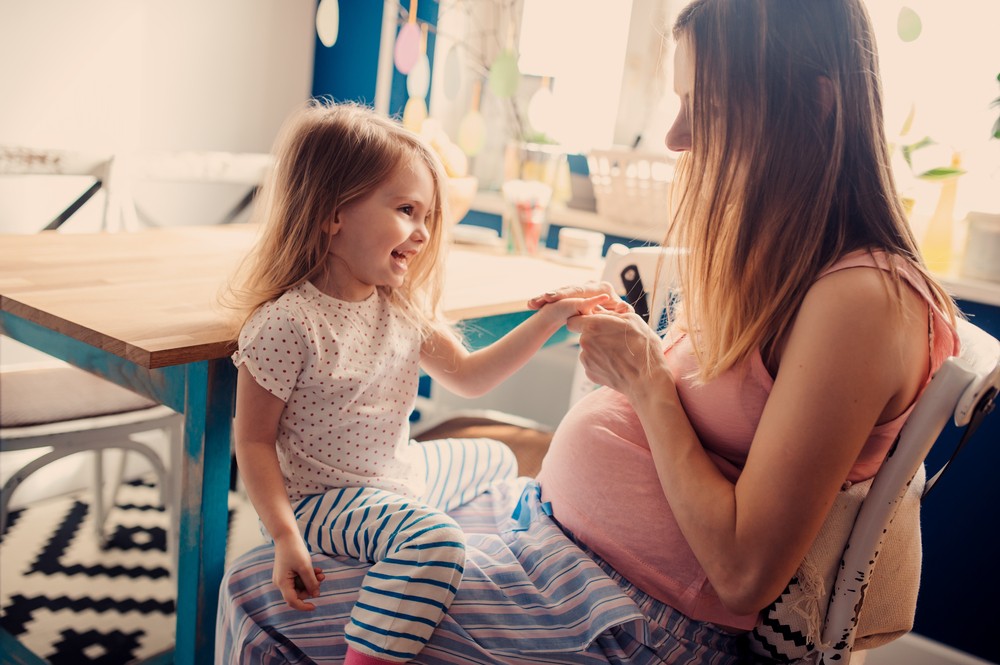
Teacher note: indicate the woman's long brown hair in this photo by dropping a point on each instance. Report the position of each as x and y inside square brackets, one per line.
[788, 169]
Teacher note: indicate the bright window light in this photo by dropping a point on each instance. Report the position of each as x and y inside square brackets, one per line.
[948, 76]
[581, 45]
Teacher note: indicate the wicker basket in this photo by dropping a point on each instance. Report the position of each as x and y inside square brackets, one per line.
[631, 187]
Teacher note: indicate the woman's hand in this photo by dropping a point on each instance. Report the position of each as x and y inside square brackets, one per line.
[620, 351]
[294, 574]
[586, 290]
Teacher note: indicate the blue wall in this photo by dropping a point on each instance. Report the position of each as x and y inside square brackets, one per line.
[960, 583]
[347, 71]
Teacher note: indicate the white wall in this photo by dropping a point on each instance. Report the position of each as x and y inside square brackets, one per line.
[144, 74]
[126, 76]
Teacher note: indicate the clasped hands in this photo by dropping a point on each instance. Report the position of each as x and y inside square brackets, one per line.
[617, 348]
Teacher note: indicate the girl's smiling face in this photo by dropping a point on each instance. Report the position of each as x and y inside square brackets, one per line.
[375, 238]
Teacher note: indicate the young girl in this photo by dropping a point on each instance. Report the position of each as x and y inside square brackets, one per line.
[342, 297]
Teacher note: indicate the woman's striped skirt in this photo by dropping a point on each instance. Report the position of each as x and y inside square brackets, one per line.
[529, 594]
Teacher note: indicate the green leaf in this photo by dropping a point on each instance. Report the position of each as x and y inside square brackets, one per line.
[941, 173]
[909, 149]
[996, 129]
[909, 120]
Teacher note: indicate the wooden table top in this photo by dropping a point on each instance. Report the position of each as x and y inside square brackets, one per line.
[152, 296]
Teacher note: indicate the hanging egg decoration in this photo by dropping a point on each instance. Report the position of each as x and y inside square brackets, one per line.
[407, 48]
[414, 114]
[504, 75]
[908, 25]
[418, 81]
[472, 128]
[328, 22]
[542, 108]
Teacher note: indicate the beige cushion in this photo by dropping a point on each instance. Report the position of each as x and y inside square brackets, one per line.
[56, 394]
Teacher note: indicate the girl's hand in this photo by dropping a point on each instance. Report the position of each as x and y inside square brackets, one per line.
[570, 307]
[294, 573]
[620, 351]
[586, 290]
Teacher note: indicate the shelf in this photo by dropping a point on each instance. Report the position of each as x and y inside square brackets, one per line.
[492, 203]
[962, 288]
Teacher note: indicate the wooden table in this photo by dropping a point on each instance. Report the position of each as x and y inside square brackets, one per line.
[142, 309]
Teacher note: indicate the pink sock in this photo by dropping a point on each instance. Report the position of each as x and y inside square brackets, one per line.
[357, 658]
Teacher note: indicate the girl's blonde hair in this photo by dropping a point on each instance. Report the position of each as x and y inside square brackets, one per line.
[785, 174]
[328, 156]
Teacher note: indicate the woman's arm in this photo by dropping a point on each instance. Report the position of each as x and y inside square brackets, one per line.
[470, 374]
[256, 427]
[849, 362]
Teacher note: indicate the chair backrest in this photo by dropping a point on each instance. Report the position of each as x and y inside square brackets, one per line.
[178, 174]
[963, 389]
[26, 161]
[647, 278]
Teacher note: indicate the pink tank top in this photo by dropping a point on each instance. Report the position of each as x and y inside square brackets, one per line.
[601, 482]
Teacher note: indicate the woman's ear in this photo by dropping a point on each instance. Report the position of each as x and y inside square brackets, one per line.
[332, 226]
[825, 94]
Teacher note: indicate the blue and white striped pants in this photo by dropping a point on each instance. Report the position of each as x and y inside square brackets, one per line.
[417, 551]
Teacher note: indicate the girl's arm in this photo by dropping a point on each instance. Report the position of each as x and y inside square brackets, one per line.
[851, 360]
[256, 427]
[471, 374]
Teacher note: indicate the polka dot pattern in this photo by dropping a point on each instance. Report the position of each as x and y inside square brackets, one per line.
[348, 374]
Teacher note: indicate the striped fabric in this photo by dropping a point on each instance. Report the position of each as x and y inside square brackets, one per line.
[416, 551]
[529, 594]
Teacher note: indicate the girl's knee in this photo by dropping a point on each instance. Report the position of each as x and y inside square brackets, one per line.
[440, 538]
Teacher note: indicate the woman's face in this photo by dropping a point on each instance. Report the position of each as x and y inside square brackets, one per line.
[679, 135]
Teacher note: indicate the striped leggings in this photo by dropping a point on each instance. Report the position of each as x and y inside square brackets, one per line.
[417, 551]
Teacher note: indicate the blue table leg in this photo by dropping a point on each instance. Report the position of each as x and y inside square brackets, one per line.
[208, 408]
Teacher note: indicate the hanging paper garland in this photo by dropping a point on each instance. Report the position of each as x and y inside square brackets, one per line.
[328, 22]
[407, 48]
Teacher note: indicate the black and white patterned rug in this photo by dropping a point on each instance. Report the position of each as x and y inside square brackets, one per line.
[69, 601]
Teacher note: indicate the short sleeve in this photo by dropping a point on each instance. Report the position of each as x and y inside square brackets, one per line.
[273, 347]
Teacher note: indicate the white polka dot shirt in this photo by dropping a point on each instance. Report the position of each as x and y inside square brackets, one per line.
[348, 373]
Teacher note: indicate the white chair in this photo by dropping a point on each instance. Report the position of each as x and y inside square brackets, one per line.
[49, 404]
[29, 162]
[71, 411]
[185, 175]
[964, 389]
